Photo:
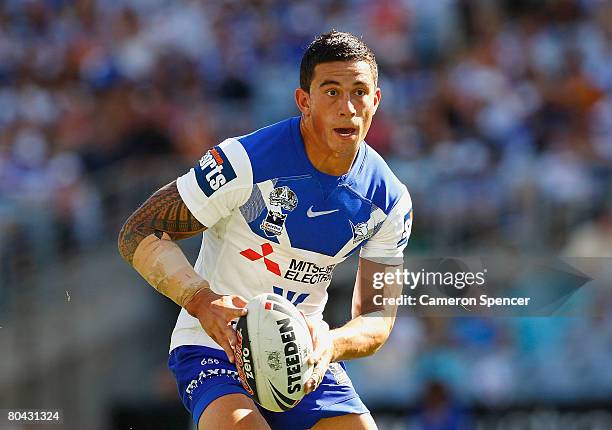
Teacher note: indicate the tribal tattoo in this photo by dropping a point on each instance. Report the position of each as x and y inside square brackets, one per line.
[163, 212]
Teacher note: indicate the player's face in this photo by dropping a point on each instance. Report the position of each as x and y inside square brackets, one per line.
[339, 108]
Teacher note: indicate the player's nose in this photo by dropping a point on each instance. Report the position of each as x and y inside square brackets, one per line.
[347, 108]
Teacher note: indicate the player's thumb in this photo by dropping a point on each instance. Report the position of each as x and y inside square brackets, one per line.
[315, 356]
[232, 312]
[239, 301]
[312, 331]
[226, 338]
[228, 347]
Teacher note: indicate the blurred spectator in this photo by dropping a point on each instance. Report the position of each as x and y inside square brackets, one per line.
[440, 411]
[594, 238]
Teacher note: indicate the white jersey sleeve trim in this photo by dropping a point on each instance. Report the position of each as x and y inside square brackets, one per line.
[218, 204]
[390, 241]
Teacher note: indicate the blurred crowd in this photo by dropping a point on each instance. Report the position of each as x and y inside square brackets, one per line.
[496, 114]
[492, 362]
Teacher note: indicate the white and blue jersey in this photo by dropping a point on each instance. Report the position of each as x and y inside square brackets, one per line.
[277, 224]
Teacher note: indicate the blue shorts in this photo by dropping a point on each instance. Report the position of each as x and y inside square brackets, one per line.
[204, 374]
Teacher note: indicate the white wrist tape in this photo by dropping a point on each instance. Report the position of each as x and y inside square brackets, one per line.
[162, 263]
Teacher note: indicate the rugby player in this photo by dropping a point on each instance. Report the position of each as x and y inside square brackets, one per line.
[278, 209]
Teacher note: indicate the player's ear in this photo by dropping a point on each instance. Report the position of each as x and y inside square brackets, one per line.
[377, 97]
[302, 100]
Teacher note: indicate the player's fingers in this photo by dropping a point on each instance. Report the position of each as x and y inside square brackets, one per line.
[313, 332]
[223, 342]
[230, 334]
[319, 371]
[321, 364]
[315, 379]
[239, 301]
[231, 312]
[230, 352]
[227, 344]
[317, 354]
[320, 359]
[309, 385]
[315, 357]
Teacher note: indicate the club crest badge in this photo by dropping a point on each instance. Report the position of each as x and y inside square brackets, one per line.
[365, 230]
[281, 198]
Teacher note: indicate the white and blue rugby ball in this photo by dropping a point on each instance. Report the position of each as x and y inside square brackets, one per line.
[273, 345]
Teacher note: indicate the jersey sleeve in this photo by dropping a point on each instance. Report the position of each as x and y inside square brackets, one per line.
[220, 182]
[388, 244]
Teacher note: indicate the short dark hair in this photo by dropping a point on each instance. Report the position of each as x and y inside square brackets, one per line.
[334, 46]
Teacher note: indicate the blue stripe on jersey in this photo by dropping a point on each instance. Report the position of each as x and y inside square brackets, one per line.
[352, 251]
[254, 212]
[254, 206]
[290, 295]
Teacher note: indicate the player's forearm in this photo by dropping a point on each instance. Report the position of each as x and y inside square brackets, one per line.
[145, 242]
[164, 266]
[361, 336]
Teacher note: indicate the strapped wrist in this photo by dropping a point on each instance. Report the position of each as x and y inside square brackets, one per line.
[195, 301]
[162, 263]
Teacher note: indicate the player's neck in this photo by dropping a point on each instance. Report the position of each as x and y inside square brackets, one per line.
[322, 157]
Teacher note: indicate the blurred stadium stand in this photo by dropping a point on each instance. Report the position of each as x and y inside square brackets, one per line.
[496, 114]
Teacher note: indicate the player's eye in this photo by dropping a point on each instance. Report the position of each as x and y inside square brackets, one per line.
[331, 92]
[360, 93]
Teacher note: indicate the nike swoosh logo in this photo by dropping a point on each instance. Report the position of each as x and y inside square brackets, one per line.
[311, 214]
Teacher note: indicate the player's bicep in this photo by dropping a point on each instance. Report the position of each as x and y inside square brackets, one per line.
[163, 212]
[383, 253]
[171, 215]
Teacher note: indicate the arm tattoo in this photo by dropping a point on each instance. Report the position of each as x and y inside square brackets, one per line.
[164, 211]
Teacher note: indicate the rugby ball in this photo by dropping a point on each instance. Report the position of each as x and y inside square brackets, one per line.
[273, 346]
